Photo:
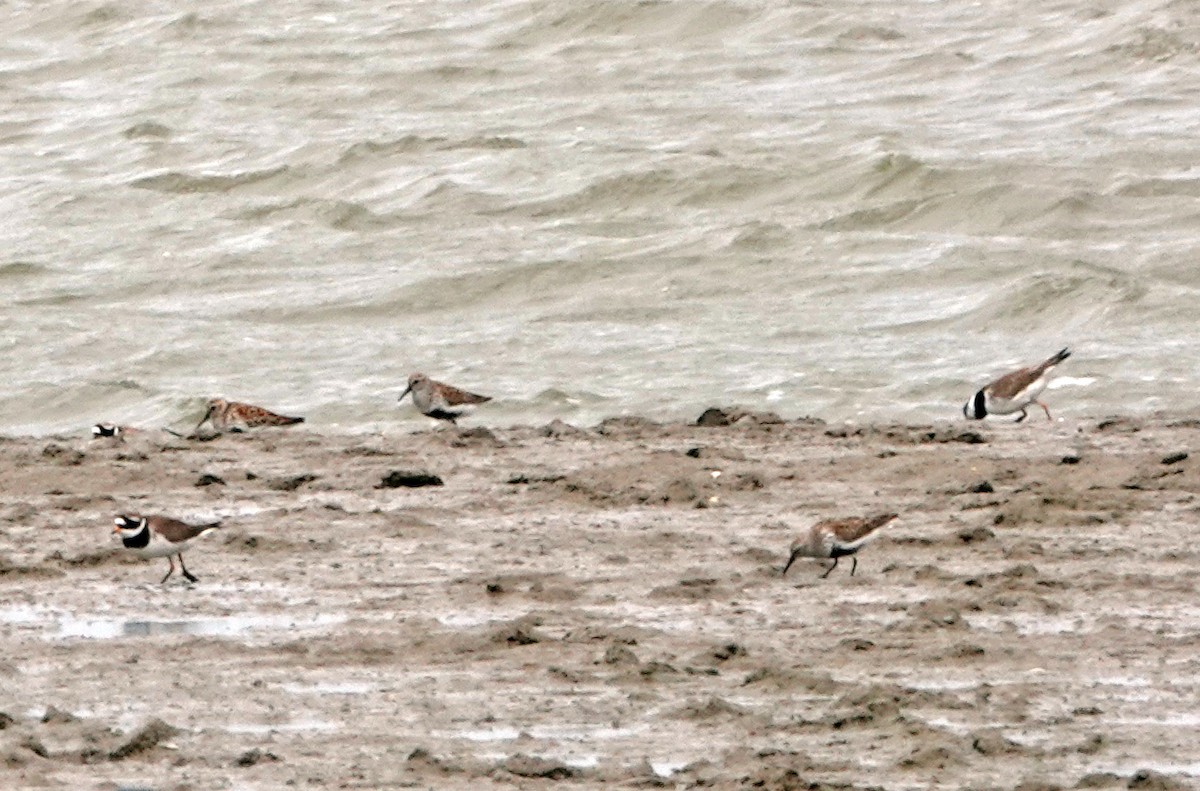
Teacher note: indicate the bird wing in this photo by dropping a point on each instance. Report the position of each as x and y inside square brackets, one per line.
[855, 530]
[1013, 384]
[452, 396]
[175, 531]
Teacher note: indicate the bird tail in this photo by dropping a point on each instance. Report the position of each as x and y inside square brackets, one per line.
[272, 419]
[867, 531]
[1056, 359]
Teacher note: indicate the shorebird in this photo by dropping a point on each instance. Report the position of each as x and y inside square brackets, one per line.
[1014, 391]
[230, 415]
[159, 537]
[436, 399]
[112, 431]
[119, 433]
[836, 538]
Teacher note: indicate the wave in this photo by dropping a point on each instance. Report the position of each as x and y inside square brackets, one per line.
[20, 269]
[340, 215]
[178, 182]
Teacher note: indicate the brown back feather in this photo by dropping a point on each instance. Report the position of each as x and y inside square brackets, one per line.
[174, 531]
[1010, 384]
[853, 529]
[456, 397]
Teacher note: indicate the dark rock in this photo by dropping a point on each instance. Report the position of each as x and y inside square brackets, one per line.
[254, 756]
[143, 739]
[557, 428]
[856, 644]
[655, 668]
[1092, 744]
[56, 716]
[62, 454]
[1070, 459]
[728, 651]
[993, 743]
[208, 479]
[520, 631]
[409, 478]
[714, 417]
[973, 535]
[1099, 780]
[1175, 458]
[627, 426]
[620, 655]
[532, 766]
[1150, 780]
[983, 487]
[711, 708]
[34, 745]
[290, 483]
[475, 436]
[969, 438]
[5, 720]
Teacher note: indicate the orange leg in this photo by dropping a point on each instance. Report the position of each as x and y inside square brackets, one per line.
[1044, 409]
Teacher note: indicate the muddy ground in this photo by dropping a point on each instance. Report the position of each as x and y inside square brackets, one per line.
[604, 606]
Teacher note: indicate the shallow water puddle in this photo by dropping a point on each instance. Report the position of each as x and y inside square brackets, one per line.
[561, 733]
[343, 688]
[224, 626]
[297, 726]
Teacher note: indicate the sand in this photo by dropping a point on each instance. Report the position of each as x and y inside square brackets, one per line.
[604, 606]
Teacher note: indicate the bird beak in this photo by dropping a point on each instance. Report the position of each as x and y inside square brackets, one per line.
[407, 390]
[116, 529]
[791, 560]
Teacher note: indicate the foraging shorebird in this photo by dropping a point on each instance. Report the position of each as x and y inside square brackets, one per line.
[160, 537]
[836, 538]
[112, 431]
[1014, 391]
[118, 433]
[438, 400]
[233, 416]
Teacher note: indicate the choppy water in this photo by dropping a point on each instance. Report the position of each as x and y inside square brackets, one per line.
[588, 207]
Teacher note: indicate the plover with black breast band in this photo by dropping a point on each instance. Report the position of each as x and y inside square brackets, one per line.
[160, 537]
[1015, 391]
[837, 538]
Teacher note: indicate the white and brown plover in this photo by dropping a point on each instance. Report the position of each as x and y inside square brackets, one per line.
[836, 538]
[439, 400]
[1014, 391]
[160, 537]
[233, 415]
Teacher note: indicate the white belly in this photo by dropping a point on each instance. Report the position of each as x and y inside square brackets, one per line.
[1006, 406]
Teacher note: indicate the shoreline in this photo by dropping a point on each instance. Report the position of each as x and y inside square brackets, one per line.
[605, 606]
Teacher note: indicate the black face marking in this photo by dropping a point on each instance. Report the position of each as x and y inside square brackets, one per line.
[980, 409]
[139, 540]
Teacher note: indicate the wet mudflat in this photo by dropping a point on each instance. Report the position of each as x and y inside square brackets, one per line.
[605, 606]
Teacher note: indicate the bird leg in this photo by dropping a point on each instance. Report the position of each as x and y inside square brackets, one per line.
[186, 574]
[852, 567]
[791, 559]
[1024, 415]
[830, 569]
[1044, 409]
[172, 571]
